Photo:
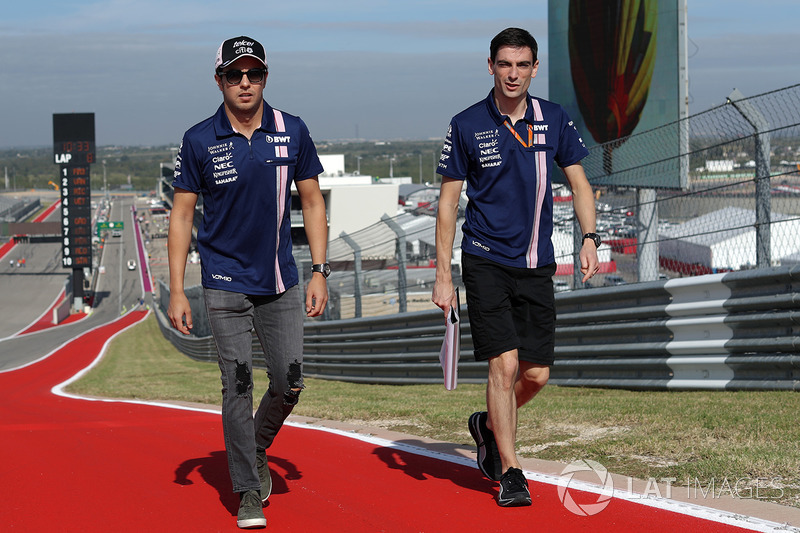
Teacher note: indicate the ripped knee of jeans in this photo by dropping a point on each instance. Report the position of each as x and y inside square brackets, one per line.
[244, 379]
[295, 378]
[291, 396]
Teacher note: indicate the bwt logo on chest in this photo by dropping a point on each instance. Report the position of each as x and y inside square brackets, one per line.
[279, 138]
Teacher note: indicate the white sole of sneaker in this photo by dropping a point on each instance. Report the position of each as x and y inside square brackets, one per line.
[252, 523]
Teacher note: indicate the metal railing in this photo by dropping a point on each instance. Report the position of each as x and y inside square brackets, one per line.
[734, 331]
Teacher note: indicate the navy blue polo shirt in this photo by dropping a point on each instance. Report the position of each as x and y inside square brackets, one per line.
[245, 237]
[509, 217]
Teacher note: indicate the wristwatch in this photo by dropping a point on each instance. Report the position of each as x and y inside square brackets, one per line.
[322, 268]
[595, 237]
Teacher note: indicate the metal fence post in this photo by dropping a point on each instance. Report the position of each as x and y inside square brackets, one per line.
[356, 270]
[402, 285]
[762, 177]
[647, 234]
[577, 243]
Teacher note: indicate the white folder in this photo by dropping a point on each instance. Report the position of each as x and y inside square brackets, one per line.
[451, 347]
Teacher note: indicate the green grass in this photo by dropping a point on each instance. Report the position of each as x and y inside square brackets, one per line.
[696, 437]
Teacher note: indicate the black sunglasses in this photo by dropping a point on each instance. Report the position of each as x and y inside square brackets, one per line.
[234, 77]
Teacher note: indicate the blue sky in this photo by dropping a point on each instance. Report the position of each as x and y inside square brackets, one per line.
[353, 68]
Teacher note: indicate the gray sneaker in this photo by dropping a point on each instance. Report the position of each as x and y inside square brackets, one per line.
[263, 474]
[251, 514]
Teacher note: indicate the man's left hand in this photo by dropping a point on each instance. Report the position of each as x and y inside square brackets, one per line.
[590, 265]
[316, 295]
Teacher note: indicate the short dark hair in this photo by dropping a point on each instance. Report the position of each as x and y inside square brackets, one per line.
[515, 37]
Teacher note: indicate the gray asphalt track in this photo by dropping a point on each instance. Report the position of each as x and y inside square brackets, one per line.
[28, 292]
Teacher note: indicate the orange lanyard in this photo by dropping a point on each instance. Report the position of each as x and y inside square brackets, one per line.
[530, 134]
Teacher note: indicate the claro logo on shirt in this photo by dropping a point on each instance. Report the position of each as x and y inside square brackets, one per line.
[488, 145]
[221, 277]
[224, 170]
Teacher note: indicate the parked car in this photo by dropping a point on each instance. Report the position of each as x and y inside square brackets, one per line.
[561, 286]
[131, 264]
[614, 279]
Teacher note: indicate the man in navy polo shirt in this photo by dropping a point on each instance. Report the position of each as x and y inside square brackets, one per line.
[504, 148]
[243, 161]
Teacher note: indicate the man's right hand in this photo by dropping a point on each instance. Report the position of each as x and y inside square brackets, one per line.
[444, 295]
[180, 313]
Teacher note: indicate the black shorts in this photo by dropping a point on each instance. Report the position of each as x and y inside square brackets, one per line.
[510, 308]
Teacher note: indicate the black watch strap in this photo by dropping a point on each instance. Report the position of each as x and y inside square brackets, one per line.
[322, 268]
[595, 237]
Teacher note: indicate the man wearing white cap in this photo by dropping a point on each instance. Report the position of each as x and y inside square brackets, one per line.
[243, 161]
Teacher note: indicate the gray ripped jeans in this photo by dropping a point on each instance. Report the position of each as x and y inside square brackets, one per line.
[278, 323]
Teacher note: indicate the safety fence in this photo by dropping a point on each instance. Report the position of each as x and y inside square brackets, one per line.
[733, 331]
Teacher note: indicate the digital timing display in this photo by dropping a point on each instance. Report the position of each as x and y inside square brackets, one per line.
[73, 138]
[73, 150]
[76, 217]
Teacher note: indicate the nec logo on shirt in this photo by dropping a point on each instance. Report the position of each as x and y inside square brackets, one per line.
[279, 138]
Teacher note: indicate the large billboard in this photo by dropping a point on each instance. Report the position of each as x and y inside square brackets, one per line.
[619, 69]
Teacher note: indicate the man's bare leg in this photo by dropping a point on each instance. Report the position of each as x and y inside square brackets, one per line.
[502, 406]
[531, 379]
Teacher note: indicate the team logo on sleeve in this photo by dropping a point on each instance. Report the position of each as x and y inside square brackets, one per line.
[447, 148]
[178, 158]
[445, 155]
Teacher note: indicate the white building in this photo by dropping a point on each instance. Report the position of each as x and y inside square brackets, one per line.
[352, 201]
[725, 240]
[721, 165]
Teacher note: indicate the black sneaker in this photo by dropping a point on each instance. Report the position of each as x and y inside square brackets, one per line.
[263, 474]
[488, 455]
[251, 514]
[513, 489]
